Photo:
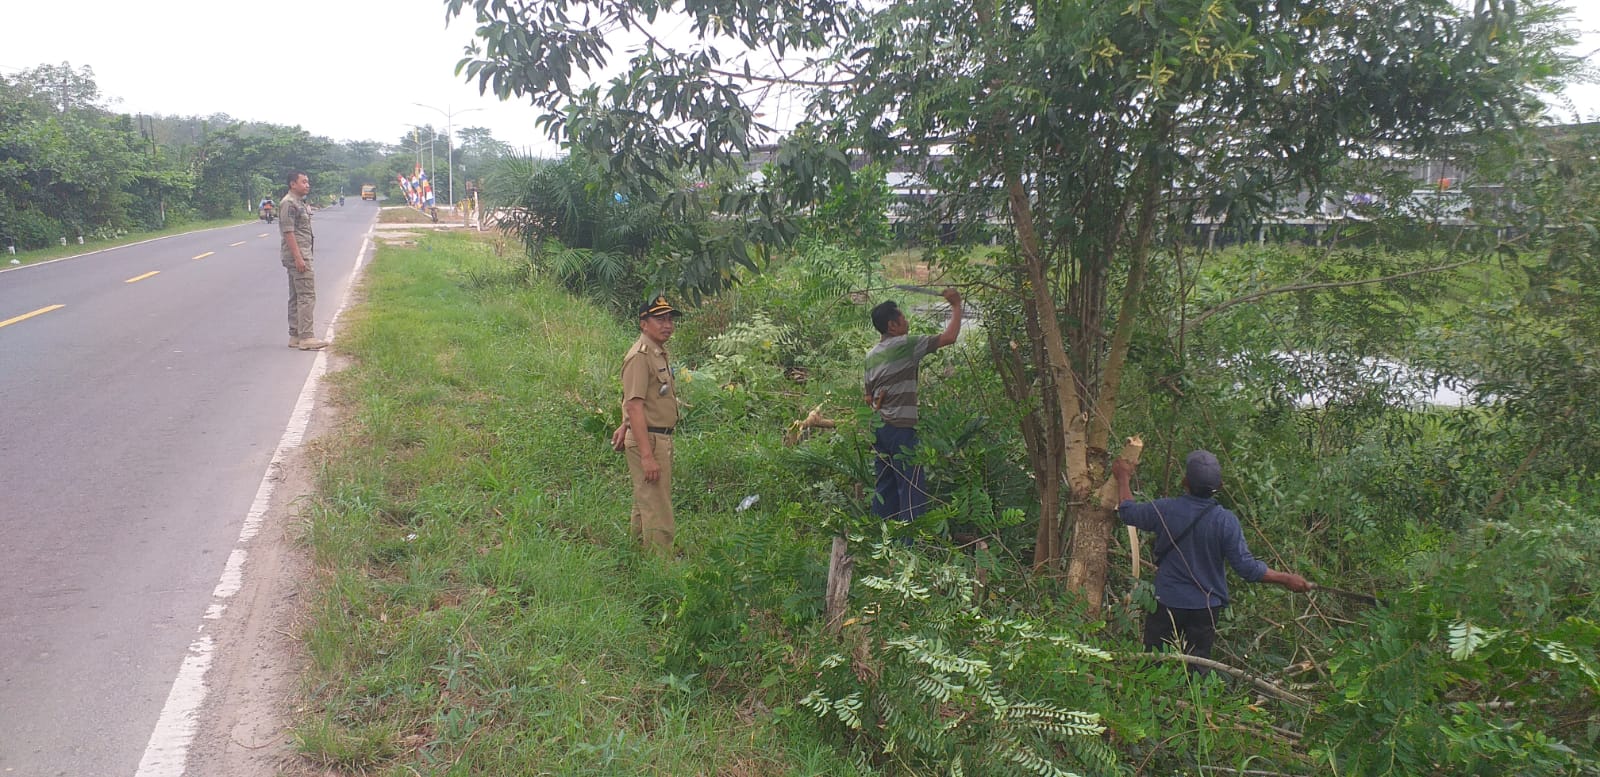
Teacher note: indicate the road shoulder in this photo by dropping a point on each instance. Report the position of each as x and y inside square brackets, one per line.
[245, 728]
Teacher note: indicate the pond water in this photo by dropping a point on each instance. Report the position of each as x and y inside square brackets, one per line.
[1403, 384]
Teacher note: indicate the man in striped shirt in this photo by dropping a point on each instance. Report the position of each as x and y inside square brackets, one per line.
[891, 389]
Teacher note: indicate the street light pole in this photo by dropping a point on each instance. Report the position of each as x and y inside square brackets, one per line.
[416, 148]
[449, 141]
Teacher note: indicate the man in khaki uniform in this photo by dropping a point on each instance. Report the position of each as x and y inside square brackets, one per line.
[649, 416]
[296, 248]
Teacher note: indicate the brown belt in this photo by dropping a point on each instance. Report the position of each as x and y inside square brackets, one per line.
[659, 429]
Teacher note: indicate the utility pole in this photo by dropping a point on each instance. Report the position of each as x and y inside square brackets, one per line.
[450, 141]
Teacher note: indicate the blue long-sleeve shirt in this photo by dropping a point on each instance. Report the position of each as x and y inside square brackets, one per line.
[1192, 576]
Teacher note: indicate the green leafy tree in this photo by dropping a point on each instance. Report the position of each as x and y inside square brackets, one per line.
[356, 162]
[64, 161]
[476, 153]
[1094, 130]
[61, 88]
[243, 162]
[1534, 343]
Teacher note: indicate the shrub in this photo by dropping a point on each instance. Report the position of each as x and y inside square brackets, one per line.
[31, 229]
[1480, 666]
[930, 682]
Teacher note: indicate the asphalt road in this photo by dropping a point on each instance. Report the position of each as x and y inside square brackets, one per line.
[137, 419]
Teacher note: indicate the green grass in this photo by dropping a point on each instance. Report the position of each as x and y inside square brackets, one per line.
[73, 249]
[482, 610]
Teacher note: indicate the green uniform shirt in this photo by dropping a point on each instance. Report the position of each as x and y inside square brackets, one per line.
[294, 223]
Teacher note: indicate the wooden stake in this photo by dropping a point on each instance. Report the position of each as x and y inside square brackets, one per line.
[840, 569]
[1133, 549]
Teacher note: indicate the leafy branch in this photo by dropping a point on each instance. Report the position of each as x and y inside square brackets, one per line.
[1194, 323]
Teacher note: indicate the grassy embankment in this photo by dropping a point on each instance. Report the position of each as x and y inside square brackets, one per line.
[73, 249]
[483, 611]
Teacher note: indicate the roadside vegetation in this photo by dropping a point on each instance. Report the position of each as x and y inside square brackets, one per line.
[1194, 223]
[71, 167]
[1142, 260]
[483, 611]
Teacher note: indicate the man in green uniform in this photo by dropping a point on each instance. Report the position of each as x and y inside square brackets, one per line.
[294, 220]
[649, 416]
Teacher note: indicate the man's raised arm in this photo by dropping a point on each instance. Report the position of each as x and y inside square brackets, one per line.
[952, 329]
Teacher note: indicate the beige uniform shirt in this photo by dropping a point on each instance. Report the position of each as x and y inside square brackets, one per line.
[294, 223]
[646, 375]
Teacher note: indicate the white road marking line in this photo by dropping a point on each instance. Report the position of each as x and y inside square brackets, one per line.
[167, 753]
[113, 248]
[169, 745]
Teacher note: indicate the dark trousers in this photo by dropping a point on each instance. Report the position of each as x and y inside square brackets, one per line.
[899, 493]
[1196, 630]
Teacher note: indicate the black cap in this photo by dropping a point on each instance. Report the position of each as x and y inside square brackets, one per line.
[658, 307]
[1203, 473]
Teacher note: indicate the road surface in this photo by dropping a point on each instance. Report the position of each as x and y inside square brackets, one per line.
[143, 391]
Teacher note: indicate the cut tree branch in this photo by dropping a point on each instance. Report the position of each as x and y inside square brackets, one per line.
[1259, 683]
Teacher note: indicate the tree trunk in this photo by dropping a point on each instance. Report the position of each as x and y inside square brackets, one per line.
[1047, 540]
[1033, 392]
[1089, 561]
[1074, 452]
[1094, 520]
[1066, 400]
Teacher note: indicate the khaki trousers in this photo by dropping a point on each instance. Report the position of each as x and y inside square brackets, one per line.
[302, 301]
[651, 523]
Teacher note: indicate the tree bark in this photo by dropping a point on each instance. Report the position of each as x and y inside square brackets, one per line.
[1038, 437]
[1122, 336]
[1074, 454]
[1055, 350]
[1096, 517]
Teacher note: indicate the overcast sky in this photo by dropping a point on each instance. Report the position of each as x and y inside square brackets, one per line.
[345, 69]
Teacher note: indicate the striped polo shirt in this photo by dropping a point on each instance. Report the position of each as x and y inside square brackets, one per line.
[892, 376]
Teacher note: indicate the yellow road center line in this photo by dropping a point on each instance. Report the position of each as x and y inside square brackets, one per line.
[240, 243]
[26, 316]
[206, 254]
[137, 278]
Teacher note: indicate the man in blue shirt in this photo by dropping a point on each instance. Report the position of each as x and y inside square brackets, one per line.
[1194, 536]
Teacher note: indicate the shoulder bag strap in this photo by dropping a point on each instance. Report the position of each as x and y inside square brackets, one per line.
[1185, 533]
